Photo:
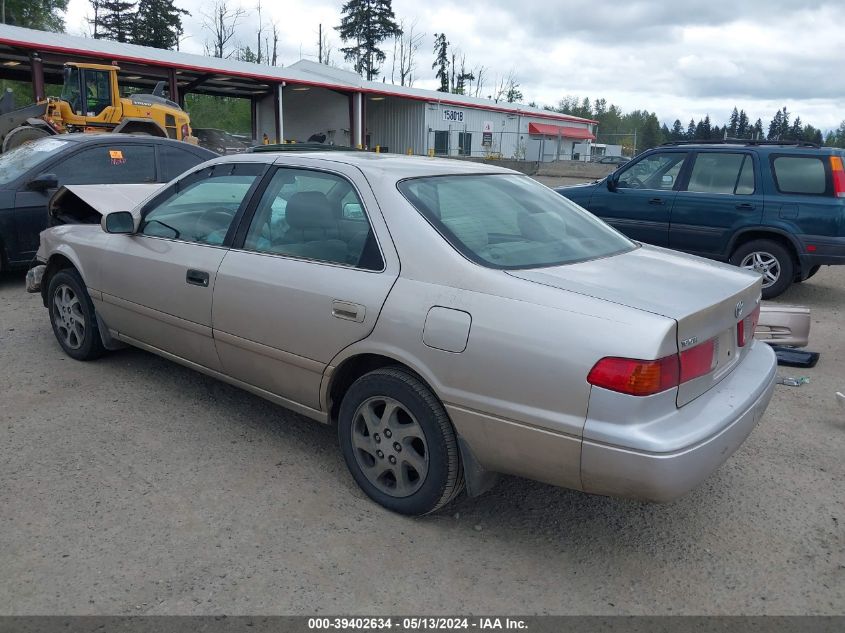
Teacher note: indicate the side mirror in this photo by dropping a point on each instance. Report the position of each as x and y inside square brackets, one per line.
[43, 182]
[121, 222]
[612, 181]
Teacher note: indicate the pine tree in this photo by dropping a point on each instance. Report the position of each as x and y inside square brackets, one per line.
[733, 123]
[775, 126]
[677, 133]
[796, 132]
[742, 128]
[784, 124]
[158, 23]
[116, 20]
[706, 128]
[757, 130]
[691, 130]
[365, 24]
[441, 61]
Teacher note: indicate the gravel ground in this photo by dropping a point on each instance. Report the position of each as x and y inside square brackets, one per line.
[133, 486]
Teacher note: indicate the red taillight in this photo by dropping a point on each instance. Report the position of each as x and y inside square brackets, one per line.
[635, 377]
[838, 173]
[698, 361]
[745, 328]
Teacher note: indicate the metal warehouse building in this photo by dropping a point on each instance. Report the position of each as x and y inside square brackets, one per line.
[308, 100]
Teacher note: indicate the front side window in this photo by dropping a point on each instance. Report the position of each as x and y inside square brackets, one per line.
[722, 172]
[800, 174]
[97, 91]
[108, 165]
[201, 207]
[505, 221]
[656, 171]
[313, 215]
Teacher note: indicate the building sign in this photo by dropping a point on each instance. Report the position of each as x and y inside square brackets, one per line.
[453, 116]
[487, 134]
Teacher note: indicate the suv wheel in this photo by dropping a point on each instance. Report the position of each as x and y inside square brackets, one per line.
[398, 442]
[769, 258]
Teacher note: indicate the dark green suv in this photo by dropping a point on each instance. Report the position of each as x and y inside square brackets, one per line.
[774, 207]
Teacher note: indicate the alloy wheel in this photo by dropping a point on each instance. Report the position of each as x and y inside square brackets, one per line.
[764, 263]
[389, 446]
[68, 316]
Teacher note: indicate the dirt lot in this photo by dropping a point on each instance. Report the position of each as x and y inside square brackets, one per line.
[133, 486]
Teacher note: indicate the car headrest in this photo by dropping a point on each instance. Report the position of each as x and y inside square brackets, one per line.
[309, 210]
[471, 231]
[542, 227]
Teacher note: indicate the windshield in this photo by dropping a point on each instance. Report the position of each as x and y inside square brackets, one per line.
[510, 221]
[22, 159]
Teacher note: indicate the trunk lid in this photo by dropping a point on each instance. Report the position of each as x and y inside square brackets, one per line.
[706, 299]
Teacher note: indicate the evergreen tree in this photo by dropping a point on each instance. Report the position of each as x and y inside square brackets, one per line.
[158, 23]
[691, 130]
[44, 15]
[757, 130]
[775, 126]
[441, 61]
[706, 129]
[796, 131]
[365, 24]
[677, 133]
[742, 127]
[733, 123]
[784, 124]
[116, 20]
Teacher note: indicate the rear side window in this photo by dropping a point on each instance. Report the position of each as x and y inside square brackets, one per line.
[174, 162]
[107, 165]
[800, 174]
[722, 172]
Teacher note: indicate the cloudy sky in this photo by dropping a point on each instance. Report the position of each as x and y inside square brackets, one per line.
[681, 59]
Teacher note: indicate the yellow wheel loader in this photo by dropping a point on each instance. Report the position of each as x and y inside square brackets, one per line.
[90, 102]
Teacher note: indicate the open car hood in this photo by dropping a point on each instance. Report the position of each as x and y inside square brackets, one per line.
[86, 204]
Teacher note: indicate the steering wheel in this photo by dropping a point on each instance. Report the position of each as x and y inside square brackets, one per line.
[214, 220]
[635, 183]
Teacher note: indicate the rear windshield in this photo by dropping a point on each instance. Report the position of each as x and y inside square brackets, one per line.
[510, 221]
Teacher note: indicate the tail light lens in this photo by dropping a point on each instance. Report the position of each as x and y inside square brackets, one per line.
[745, 328]
[635, 377]
[699, 360]
[838, 172]
[647, 377]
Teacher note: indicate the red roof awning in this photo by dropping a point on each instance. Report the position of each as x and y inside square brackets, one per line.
[567, 131]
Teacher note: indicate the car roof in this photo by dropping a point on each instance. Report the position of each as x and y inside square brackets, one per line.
[128, 138]
[396, 166]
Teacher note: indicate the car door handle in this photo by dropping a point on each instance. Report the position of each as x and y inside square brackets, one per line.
[348, 311]
[745, 206]
[656, 201]
[197, 278]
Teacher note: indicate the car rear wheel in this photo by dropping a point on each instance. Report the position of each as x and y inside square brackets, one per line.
[398, 442]
[72, 316]
[769, 258]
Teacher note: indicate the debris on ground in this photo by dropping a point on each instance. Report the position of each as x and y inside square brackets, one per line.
[790, 381]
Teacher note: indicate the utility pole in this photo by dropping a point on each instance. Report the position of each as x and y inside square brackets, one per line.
[320, 44]
[635, 142]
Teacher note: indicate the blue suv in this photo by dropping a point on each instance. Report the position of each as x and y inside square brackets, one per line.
[774, 207]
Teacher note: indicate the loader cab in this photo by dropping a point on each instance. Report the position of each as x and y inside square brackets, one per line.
[89, 90]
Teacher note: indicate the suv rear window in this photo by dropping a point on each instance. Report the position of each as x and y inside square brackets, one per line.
[800, 174]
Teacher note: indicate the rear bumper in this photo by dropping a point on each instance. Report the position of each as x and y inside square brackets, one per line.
[828, 251]
[632, 464]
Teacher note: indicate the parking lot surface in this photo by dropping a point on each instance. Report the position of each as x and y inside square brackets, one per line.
[131, 485]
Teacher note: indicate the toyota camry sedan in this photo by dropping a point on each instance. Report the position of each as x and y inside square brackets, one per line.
[453, 320]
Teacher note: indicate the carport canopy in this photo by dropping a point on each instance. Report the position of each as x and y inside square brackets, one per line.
[566, 131]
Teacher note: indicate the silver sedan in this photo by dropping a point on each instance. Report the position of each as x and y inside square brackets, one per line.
[453, 320]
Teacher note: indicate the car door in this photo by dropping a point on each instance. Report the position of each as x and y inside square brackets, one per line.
[722, 194]
[638, 198]
[114, 163]
[306, 279]
[157, 284]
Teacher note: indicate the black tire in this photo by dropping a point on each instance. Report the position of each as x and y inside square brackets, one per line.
[443, 477]
[21, 136]
[812, 272]
[768, 250]
[67, 301]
